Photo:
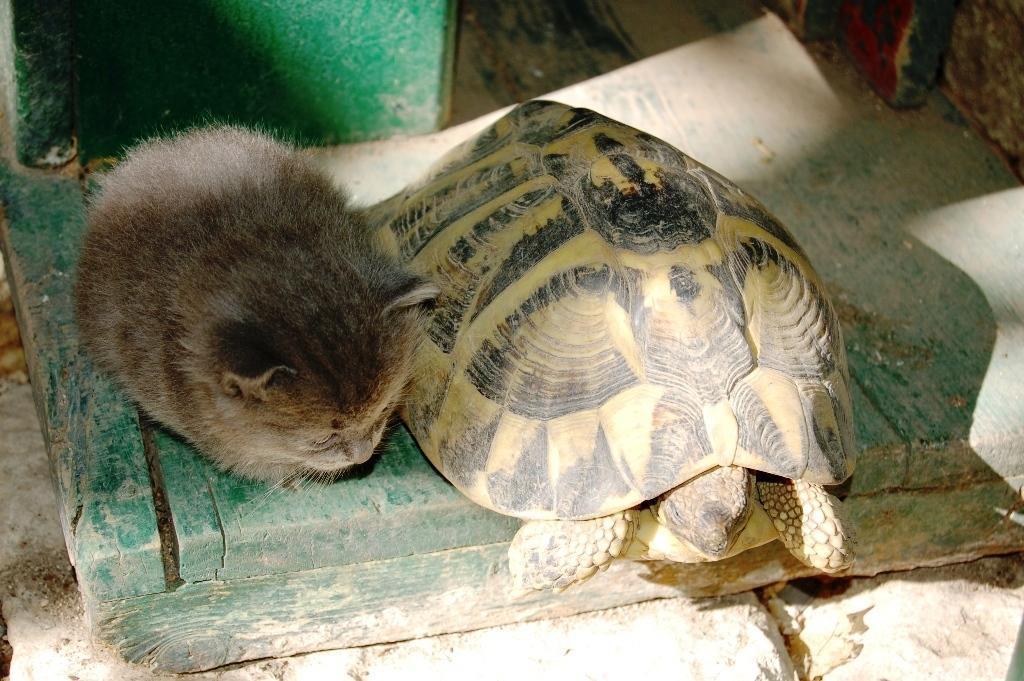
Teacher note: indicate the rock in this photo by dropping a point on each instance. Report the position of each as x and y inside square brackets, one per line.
[724, 638]
[954, 622]
[984, 70]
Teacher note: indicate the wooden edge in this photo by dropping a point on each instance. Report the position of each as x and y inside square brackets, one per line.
[466, 589]
[40, 86]
[448, 64]
[226, 528]
[92, 436]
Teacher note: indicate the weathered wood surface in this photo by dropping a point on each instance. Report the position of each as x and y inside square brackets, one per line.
[36, 57]
[908, 217]
[230, 529]
[96, 455]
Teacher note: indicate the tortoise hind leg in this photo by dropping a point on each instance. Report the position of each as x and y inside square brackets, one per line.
[555, 554]
[710, 511]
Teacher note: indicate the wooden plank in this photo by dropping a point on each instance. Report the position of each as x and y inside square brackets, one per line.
[323, 70]
[36, 79]
[467, 588]
[96, 455]
[400, 508]
[227, 528]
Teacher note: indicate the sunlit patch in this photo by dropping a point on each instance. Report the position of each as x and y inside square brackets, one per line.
[1013, 516]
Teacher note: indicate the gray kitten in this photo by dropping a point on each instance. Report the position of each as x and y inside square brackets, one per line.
[235, 296]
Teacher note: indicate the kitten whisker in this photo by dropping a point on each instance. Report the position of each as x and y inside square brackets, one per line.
[279, 488]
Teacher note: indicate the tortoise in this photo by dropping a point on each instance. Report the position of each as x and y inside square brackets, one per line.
[628, 352]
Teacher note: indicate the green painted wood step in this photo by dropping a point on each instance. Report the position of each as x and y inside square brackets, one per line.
[221, 527]
[95, 447]
[36, 38]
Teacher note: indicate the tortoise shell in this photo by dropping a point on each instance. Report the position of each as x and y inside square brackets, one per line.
[614, 319]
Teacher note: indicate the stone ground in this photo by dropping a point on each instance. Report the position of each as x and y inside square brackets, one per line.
[954, 622]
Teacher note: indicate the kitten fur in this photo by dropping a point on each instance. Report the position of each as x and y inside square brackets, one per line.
[230, 290]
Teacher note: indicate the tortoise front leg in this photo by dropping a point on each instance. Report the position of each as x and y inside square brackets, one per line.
[555, 554]
[811, 523]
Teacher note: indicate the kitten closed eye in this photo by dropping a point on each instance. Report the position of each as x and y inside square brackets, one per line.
[328, 441]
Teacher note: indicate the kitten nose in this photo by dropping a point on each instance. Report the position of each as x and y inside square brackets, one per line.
[360, 453]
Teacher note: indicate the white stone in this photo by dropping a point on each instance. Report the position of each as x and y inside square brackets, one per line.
[727, 638]
[954, 622]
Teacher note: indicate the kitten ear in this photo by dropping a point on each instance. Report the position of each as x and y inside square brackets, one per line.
[251, 387]
[414, 292]
[248, 363]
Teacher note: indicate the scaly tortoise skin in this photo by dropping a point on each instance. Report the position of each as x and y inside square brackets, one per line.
[622, 336]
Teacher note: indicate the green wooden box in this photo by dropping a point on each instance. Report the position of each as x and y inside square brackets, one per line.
[912, 222]
[107, 72]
